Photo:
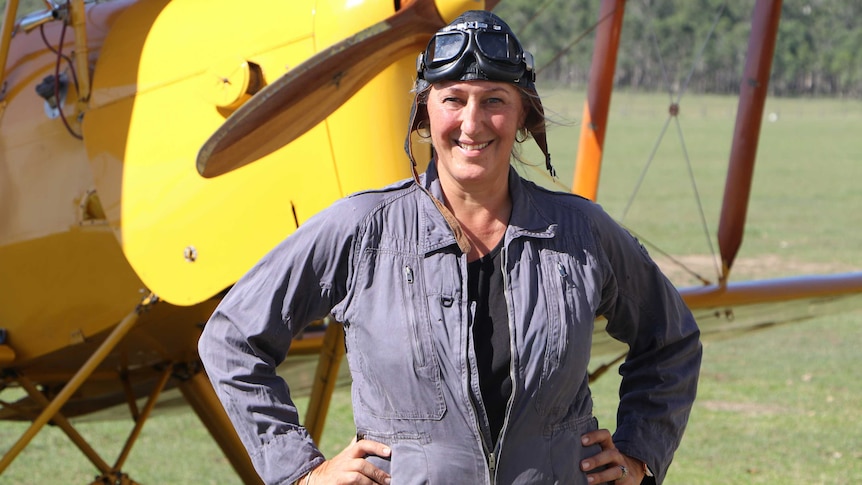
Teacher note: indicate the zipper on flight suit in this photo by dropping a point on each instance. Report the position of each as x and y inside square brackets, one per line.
[492, 459]
[492, 453]
[492, 467]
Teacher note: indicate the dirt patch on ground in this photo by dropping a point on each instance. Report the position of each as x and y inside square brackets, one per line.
[694, 269]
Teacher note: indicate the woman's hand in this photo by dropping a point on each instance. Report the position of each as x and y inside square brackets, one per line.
[351, 467]
[620, 469]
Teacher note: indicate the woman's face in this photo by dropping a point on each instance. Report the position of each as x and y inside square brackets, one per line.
[473, 127]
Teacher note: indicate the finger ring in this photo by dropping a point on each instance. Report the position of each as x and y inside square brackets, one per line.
[625, 472]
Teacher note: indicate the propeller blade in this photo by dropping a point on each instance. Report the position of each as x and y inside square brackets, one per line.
[305, 96]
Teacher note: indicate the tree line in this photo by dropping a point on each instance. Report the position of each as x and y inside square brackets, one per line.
[696, 45]
[818, 51]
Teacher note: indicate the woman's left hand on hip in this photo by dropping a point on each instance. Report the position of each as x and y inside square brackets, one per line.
[610, 465]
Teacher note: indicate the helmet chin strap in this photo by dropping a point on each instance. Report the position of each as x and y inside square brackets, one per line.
[542, 141]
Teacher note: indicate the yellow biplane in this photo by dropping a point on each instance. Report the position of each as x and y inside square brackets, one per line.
[114, 249]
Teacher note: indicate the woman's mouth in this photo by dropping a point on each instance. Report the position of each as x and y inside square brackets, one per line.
[473, 146]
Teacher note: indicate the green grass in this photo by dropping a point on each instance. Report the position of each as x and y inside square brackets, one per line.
[777, 406]
[788, 404]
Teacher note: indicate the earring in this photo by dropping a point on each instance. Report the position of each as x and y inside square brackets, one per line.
[424, 129]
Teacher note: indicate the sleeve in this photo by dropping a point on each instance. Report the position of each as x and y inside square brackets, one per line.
[250, 332]
[660, 373]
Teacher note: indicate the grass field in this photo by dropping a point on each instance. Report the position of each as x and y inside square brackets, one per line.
[777, 406]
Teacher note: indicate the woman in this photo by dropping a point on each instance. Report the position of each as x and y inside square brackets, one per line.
[468, 298]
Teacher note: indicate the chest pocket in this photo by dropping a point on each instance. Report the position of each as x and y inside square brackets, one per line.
[394, 368]
[569, 290]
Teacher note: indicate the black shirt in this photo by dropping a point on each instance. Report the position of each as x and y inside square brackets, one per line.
[491, 336]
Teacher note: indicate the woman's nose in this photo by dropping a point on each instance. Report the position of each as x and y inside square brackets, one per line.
[471, 118]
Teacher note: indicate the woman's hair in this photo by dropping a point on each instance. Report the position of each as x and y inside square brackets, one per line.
[535, 122]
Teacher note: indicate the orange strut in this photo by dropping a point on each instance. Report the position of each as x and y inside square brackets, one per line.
[589, 162]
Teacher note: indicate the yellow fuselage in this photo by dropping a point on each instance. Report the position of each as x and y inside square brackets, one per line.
[87, 226]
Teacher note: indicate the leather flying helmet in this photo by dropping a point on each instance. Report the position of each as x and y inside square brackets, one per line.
[478, 45]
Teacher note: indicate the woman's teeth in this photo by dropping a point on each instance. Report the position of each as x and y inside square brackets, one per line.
[473, 147]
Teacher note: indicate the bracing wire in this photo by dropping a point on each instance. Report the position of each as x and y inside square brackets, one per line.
[667, 255]
[536, 14]
[697, 197]
[644, 171]
[557, 56]
[574, 42]
[699, 55]
[673, 113]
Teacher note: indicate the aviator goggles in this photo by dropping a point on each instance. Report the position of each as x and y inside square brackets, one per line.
[497, 54]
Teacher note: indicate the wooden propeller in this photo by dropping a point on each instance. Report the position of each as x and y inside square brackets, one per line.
[305, 96]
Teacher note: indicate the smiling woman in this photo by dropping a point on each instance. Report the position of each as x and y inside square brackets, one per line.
[468, 296]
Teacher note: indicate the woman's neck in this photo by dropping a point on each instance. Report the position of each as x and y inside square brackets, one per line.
[483, 216]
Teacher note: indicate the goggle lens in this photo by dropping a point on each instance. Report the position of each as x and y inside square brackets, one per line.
[499, 47]
[445, 47]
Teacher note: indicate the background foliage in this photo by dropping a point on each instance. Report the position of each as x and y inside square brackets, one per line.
[817, 50]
